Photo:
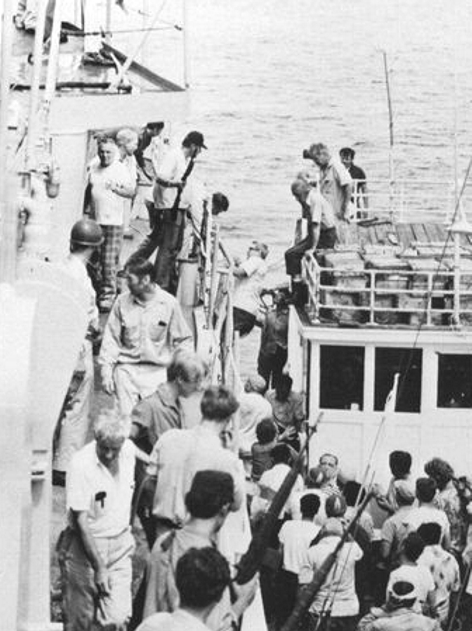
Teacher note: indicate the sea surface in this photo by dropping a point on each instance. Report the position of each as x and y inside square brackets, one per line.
[268, 78]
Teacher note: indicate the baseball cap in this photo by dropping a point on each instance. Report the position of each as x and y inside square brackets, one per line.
[195, 138]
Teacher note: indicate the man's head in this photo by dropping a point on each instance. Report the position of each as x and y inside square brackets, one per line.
[258, 249]
[210, 496]
[86, 234]
[154, 128]
[309, 505]
[329, 465]
[440, 470]
[140, 276]
[111, 431]
[218, 405]
[188, 371]
[400, 463]
[413, 547]
[335, 506]
[319, 153]
[300, 189]
[315, 478]
[127, 141]
[255, 383]
[347, 156]
[266, 431]
[403, 493]
[106, 151]
[431, 533]
[283, 387]
[402, 594]
[201, 577]
[194, 142]
[281, 454]
[219, 203]
[425, 490]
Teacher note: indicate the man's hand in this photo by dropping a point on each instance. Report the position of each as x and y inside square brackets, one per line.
[102, 581]
[107, 380]
[244, 595]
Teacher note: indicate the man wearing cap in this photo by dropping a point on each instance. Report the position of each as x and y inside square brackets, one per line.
[398, 613]
[167, 232]
[73, 424]
[335, 181]
[250, 275]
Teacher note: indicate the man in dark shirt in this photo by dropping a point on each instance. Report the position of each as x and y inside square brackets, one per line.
[360, 198]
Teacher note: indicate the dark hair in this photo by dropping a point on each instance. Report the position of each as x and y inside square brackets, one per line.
[218, 404]
[201, 577]
[186, 365]
[353, 493]
[210, 491]
[425, 489]
[399, 590]
[440, 470]
[413, 546]
[336, 459]
[309, 505]
[281, 454]
[430, 533]
[155, 126]
[400, 462]
[284, 382]
[141, 267]
[335, 506]
[266, 431]
[105, 139]
[348, 152]
[220, 201]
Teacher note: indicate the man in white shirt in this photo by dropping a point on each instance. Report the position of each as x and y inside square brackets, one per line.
[335, 181]
[338, 593]
[108, 190]
[127, 142]
[202, 576]
[180, 453]
[73, 425]
[427, 512]
[144, 328]
[295, 538]
[96, 549]
[168, 229]
[250, 275]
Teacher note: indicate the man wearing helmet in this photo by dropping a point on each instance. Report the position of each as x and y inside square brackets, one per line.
[73, 425]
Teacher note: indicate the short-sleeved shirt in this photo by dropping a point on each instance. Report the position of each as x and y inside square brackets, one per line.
[446, 577]
[105, 497]
[419, 576]
[394, 531]
[178, 621]
[173, 166]
[429, 514]
[340, 581]
[144, 332]
[175, 459]
[321, 210]
[296, 536]
[248, 288]
[269, 483]
[158, 413]
[253, 408]
[332, 180]
[108, 207]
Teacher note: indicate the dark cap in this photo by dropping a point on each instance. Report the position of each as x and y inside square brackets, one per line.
[194, 138]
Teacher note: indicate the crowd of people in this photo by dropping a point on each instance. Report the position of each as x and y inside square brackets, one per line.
[196, 467]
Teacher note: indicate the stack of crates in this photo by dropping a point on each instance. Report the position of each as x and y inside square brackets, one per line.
[418, 299]
[348, 274]
[389, 277]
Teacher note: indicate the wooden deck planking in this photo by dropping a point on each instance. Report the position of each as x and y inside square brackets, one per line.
[420, 233]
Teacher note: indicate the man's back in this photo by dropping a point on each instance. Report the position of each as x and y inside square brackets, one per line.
[404, 619]
[178, 621]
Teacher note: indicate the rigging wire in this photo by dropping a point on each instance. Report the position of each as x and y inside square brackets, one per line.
[103, 32]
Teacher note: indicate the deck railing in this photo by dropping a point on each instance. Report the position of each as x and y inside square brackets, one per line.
[388, 296]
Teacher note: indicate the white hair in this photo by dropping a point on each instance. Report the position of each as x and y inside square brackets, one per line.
[110, 424]
[126, 135]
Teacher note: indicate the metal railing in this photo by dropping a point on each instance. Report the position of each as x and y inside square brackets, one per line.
[389, 297]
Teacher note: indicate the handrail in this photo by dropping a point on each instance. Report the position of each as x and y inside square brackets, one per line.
[388, 296]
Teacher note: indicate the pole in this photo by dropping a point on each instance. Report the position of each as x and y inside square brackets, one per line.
[390, 130]
[7, 210]
[186, 45]
[51, 76]
[108, 21]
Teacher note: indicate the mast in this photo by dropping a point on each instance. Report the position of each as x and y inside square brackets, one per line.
[8, 224]
[391, 173]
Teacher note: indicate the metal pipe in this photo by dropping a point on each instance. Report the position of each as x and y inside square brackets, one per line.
[53, 61]
[35, 84]
[7, 210]
[108, 21]
[186, 45]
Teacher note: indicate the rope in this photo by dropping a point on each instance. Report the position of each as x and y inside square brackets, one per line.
[103, 32]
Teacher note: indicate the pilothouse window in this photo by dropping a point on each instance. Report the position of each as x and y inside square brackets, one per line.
[406, 361]
[454, 381]
[342, 377]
